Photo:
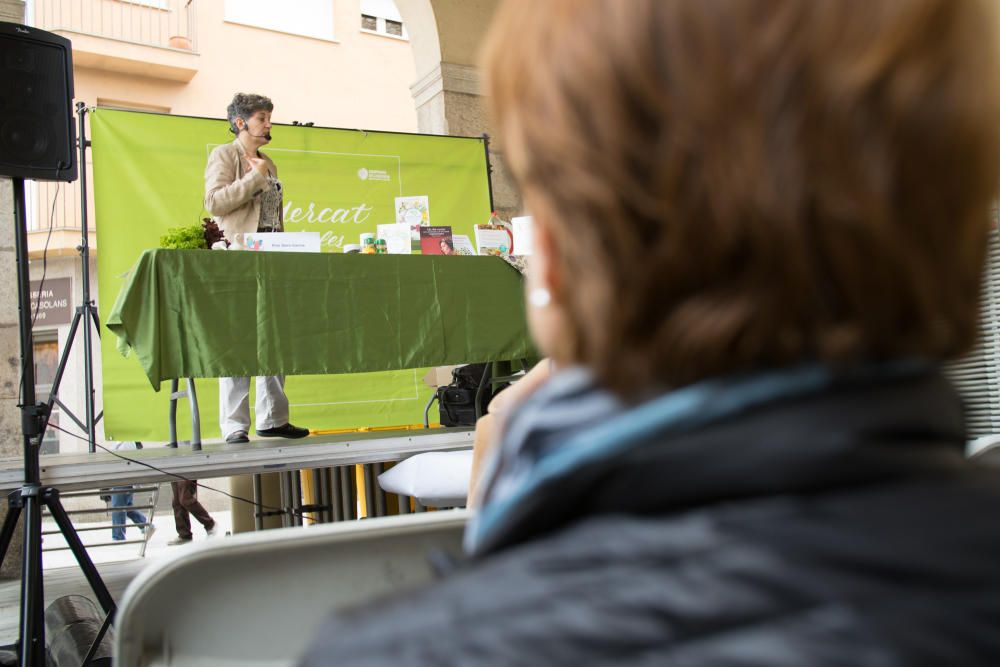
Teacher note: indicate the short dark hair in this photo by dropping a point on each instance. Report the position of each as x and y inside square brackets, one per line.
[245, 105]
[754, 183]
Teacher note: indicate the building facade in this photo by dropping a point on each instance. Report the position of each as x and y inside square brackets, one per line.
[334, 63]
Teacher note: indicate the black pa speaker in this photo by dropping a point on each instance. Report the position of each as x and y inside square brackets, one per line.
[37, 138]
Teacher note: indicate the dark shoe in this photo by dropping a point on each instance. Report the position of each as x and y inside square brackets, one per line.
[179, 540]
[237, 437]
[286, 431]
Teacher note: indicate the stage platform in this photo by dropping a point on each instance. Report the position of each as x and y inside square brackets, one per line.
[68, 472]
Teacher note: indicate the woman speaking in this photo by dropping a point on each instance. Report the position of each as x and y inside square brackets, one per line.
[243, 193]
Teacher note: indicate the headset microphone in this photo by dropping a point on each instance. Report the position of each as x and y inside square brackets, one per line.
[266, 135]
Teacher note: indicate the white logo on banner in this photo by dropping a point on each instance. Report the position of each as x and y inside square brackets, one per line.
[373, 174]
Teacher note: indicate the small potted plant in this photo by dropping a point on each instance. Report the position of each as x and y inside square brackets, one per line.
[180, 42]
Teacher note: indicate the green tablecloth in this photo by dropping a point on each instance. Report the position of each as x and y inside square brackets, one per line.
[200, 313]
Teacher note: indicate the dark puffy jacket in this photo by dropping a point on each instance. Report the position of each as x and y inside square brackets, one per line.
[839, 528]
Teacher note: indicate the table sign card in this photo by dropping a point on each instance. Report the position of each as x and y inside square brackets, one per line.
[522, 235]
[415, 212]
[463, 245]
[283, 241]
[397, 239]
[493, 240]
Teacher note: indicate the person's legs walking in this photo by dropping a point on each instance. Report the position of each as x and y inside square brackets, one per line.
[139, 519]
[189, 499]
[118, 518]
[182, 521]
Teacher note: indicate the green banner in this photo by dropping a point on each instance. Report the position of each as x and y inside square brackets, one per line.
[149, 176]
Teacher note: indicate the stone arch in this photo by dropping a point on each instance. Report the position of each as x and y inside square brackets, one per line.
[445, 36]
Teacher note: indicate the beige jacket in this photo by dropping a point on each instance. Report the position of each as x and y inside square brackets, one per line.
[231, 195]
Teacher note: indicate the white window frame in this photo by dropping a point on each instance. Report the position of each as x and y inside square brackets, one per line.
[152, 4]
[280, 17]
[381, 15]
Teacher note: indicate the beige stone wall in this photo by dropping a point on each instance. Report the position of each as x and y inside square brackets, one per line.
[12, 11]
[10, 362]
[465, 115]
[447, 35]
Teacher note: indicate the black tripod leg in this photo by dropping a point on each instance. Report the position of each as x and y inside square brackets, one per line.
[51, 498]
[32, 601]
[14, 506]
[57, 379]
[97, 641]
[97, 322]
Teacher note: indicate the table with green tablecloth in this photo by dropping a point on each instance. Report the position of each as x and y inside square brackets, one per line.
[200, 313]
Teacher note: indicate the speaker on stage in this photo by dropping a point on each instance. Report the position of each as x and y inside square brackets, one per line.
[37, 137]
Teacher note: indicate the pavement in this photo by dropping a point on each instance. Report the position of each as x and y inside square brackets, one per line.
[131, 548]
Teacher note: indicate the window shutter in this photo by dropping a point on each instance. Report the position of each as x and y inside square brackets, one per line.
[977, 375]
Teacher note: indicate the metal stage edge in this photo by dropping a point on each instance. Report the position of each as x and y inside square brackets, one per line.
[89, 471]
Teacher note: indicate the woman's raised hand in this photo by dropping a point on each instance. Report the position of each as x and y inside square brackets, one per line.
[256, 163]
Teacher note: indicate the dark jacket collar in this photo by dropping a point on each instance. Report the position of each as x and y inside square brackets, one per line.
[575, 451]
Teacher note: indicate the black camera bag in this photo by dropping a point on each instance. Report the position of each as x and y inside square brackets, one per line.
[457, 401]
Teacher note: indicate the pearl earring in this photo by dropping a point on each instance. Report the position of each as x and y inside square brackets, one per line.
[540, 297]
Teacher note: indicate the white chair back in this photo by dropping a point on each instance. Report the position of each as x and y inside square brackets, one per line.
[257, 599]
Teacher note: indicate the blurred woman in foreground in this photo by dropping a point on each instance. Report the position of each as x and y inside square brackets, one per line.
[760, 227]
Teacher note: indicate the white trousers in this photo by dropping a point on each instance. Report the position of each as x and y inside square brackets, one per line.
[271, 406]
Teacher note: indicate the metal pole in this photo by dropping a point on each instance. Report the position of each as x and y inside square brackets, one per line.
[336, 500]
[320, 495]
[489, 169]
[347, 501]
[30, 422]
[172, 419]
[88, 360]
[283, 494]
[195, 416]
[369, 478]
[32, 605]
[296, 489]
[258, 501]
[380, 500]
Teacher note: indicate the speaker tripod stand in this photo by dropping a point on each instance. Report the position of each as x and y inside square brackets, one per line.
[86, 313]
[28, 501]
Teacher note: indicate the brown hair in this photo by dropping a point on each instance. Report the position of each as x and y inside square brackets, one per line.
[752, 183]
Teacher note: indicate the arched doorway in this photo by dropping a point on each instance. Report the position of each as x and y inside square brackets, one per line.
[445, 36]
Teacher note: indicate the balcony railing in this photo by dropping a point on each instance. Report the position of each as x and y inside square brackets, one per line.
[54, 205]
[160, 23]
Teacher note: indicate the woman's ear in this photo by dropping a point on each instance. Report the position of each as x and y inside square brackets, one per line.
[543, 245]
[545, 296]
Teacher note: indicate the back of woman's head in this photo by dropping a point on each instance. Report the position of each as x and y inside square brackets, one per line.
[737, 184]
